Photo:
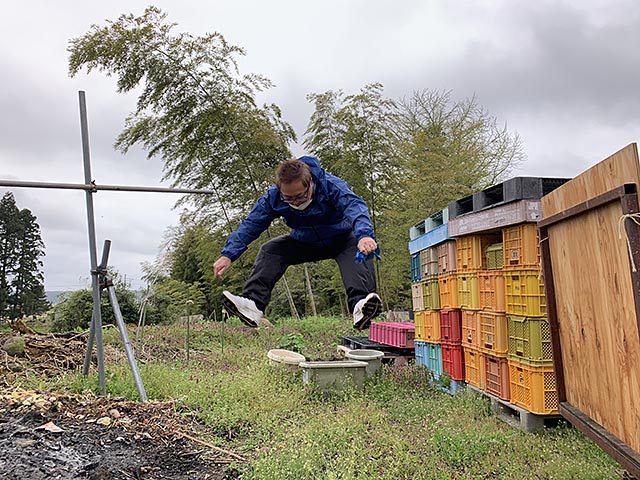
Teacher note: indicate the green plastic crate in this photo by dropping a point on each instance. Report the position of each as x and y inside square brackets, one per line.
[495, 256]
[529, 340]
[431, 294]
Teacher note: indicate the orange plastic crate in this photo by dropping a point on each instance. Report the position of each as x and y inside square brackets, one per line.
[533, 388]
[470, 251]
[497, 372]
[475, 368]
[448, 287]
[470, 329]
[494, 333]
[525, 293]
[520, 244]
[447, 257]
[492, 291]
[432, 326]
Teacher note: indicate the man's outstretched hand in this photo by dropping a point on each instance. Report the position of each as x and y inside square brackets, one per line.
[221, 265]
[367, 245]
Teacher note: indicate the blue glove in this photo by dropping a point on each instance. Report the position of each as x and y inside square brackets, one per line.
[361, 257]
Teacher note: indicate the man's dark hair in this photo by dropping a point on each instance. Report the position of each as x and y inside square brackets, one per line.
[290, 171]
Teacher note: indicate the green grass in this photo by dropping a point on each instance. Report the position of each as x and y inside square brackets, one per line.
[397, 428]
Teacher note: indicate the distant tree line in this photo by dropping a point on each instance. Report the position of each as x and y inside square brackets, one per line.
[199, 115]
[21, 247]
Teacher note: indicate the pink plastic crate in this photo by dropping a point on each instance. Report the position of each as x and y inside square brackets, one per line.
[396, 334]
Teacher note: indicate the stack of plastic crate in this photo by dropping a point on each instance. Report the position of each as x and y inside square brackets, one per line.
[428, 352]
[471, 262]
[530, 358]
[425, 247]
[493, 336]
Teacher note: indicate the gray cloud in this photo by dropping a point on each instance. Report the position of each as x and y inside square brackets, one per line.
[562, 74]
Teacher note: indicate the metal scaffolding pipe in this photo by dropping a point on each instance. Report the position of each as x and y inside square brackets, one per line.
[93, 187]
[96, 318]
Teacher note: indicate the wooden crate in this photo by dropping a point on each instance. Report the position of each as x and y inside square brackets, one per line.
[593, 293]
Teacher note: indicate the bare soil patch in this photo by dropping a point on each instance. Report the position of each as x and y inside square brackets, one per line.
[45, 435]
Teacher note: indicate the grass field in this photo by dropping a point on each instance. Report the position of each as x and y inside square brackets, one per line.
[399, 427]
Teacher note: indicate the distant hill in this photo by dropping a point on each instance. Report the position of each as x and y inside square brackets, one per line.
[52, 296]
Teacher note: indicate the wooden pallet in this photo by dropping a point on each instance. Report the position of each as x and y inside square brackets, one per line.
[517, 416]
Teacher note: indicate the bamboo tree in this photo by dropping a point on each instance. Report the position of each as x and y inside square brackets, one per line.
[195, 111]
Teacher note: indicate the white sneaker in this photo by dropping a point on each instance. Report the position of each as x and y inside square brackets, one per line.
[365, 310]
[244, 308]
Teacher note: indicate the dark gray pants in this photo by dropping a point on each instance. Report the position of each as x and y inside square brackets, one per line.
[276, 255]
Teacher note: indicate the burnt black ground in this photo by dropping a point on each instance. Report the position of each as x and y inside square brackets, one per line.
[96, 452]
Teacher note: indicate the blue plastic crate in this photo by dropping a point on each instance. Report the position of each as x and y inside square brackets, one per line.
[434, 359]
[422, 355]
[453, 387]
[416, 268]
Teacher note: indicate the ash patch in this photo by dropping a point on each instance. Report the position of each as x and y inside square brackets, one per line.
[130, 441]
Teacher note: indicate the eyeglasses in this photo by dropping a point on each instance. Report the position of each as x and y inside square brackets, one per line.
[298, 198]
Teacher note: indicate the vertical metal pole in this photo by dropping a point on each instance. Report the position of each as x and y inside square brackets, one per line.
[96, 319]
[127, 344]
[87, 356]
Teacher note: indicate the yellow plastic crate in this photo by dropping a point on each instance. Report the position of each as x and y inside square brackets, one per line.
[525, 293]
[492, 292]
[533, 388]
[468, 292]
[494, 334]
[470, 329]
[521, 249]
[418, 325]
[448, 287]
[475, 368]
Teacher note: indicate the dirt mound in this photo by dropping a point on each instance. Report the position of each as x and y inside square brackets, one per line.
[45, 436]
[46, 354]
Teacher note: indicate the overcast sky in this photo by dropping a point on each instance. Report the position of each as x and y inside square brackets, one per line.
[564, 75]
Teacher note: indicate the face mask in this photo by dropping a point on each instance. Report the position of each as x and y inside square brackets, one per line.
[302, 206]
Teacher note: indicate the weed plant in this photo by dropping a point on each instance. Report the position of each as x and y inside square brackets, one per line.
[399, 427]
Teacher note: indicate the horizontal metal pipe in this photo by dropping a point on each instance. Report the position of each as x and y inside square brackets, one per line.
[92, 187]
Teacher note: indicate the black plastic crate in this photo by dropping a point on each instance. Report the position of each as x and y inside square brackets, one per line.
[360, 343]
[517, 188]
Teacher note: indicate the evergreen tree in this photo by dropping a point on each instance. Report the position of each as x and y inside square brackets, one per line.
[21, 247]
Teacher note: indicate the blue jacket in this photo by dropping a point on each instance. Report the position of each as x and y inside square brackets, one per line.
[335, 209]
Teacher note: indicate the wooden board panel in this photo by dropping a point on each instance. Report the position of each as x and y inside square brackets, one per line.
[620, 168]
[494, 218]
[598, 330]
